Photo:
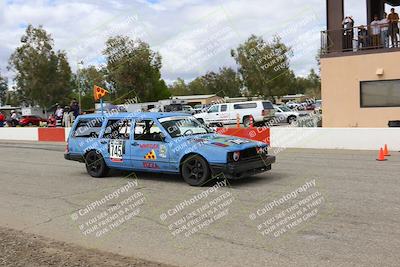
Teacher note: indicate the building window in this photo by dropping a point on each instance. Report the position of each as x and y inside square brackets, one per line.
[380, 94]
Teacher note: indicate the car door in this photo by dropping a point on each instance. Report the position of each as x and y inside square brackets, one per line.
[149, 150]
[223, 115]
[279, 114]
[213, 114]
[116, 143]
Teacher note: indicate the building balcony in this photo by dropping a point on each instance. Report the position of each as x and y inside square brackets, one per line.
[355, 41]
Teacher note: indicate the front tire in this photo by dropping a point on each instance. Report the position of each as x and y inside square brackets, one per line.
[195, 170]
[291, 119]
[95, 165]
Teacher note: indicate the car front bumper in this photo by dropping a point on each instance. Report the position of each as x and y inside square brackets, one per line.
[244, 168]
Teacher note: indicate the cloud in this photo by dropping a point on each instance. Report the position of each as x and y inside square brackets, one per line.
[192, 36]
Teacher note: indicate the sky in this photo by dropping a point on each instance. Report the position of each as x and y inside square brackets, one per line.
[192, 36]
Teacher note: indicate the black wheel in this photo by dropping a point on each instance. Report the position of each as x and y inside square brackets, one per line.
[246, 122]
[201, 121]
[95, 165]
[291, 119]
[195, 170]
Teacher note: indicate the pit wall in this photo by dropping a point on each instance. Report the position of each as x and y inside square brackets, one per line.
[285, 137]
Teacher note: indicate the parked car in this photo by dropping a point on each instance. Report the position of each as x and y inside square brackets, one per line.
[200, 108]
[227, 113]
[294, 105]
[285, 114]
[163, 143]
[318, 107]
[188, 109]
[31, 120]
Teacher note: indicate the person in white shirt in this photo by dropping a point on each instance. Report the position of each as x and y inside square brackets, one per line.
[348, 32]
[384, 23]
[59, 113]
[375, 29]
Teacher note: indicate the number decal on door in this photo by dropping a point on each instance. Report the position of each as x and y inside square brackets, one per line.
[116, 150]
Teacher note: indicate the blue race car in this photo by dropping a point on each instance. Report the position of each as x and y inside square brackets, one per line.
[162, 142]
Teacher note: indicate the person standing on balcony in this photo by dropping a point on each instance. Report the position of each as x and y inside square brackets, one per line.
[375, 29]
[384, 23]
[348, 25]
[393, 27]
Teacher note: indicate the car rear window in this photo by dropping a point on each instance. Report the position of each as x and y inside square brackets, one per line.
[88, 128]
[267, 105]
[245, 106]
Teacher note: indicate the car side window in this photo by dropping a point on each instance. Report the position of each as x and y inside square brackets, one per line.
[88, 128]
[213, 109]
[245, 106]
[224, 108]
[147, 130]
[118, 129]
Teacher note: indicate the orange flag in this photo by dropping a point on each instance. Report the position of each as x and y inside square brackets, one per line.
[99, 92]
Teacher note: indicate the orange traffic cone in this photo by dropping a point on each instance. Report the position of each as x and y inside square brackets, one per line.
[386, 151]
[381, 156]
[251, 122]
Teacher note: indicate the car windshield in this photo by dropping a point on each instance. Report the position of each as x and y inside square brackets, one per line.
[183, 126]
[285, 109]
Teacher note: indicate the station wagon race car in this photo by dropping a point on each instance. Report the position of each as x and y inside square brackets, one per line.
[165, 143]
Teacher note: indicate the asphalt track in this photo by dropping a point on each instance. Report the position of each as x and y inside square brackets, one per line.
[355, 223]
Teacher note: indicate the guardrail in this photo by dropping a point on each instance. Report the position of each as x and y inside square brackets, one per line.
[283, 137]
[354, 39]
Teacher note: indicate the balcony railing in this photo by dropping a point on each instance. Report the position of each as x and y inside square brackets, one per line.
[354, 40]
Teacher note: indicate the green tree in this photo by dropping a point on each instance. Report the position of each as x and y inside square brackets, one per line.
[134, 70]
[179, 88]
[264, 67]
[200, 86]
[225, 82]
[3, 89]
[228, 83]
[85, 80]
[43, 76]
[314, 88]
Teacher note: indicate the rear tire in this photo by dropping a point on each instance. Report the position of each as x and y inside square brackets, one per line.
[95, 165]
[291, 119]
[246, 122]
[195, 170]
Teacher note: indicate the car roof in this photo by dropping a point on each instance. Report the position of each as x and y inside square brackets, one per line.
[142, 115]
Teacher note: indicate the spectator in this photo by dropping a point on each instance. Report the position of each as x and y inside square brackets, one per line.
[384, 23]
[362, 37]
[13, 122]
[75, 108]
[375, 32]
[348, 25]
[393, 27]
[51, 121]
[59, 113]
[68, 117]
[2, 119]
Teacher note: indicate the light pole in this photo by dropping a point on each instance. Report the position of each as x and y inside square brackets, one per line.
[79, 65]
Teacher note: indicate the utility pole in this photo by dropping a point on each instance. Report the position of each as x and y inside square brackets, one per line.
[79, 65]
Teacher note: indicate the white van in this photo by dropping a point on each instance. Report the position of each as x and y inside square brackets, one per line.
[223, 114]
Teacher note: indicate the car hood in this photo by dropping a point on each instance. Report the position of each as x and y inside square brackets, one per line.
[230, 143]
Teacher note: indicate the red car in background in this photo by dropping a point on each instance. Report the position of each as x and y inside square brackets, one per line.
[31, 120]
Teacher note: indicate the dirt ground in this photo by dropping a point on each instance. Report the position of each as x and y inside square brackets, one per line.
[21, 249]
